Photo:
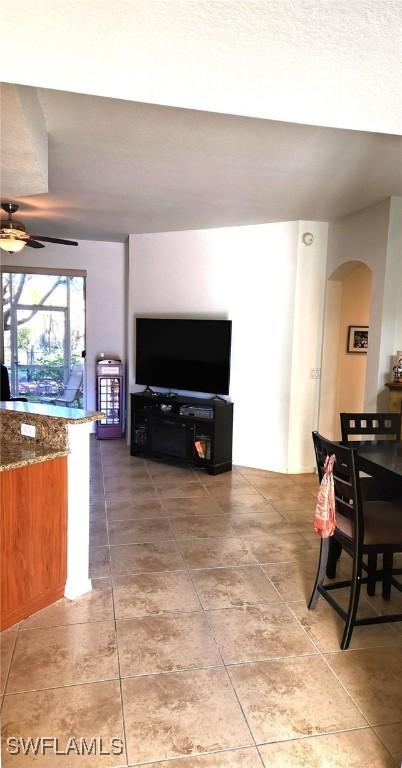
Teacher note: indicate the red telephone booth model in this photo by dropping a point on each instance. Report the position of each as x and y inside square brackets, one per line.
[110, 398]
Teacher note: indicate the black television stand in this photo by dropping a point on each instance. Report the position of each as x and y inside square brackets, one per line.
[185, 429]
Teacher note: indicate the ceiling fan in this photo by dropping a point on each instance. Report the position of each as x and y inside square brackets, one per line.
[13, 236]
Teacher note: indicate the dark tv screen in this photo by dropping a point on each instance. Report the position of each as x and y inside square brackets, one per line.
[184, 354]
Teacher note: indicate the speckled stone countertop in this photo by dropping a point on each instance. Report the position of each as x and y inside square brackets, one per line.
[69, 415]
[51, 423]
[16, 455]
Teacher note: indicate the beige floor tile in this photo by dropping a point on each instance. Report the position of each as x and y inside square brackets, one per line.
[245, 504]
[325, 627]
[117, 463]
[141, 558]
[302, 518]
[391, 736]
[99, 562]
[239, 758]
[289, 498]
[278, 546]
[215, 553]
[165, 643]
[133, 510]
[295, 502]
[288, 698]
[98, 534]
[258, 523]
[225, 480]
[274, 484]
[373, 678]
[173, 471]
[128, 486]
[181, 713]
[97, 512]
[355, 749]
[93, 606]
[139, 531]
[230, 587]
[252, 472]
[180, 489]
[56, 656]
[79, 711]
[142, 492]
[202, 527]
[255, 633]
[226, 493]
[294, 580]
[151, 593]
[126, 472]
[394, 605]
[7, 644]
[187, 507]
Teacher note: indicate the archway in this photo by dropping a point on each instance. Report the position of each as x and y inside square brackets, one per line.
[343, 373]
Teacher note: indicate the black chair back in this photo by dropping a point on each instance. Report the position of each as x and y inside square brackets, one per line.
[370, 426]
[4, 383]
[348, 502]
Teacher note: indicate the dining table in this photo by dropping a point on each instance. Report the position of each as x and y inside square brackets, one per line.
[382, 459]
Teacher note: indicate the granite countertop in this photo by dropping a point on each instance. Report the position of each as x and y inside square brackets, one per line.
[15, 455]
[68, 415]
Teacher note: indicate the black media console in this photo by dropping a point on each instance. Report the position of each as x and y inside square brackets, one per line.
[187, 429]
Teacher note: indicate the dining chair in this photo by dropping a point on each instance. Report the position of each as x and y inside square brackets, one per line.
[362, 527]
[370, 426]
[5, 387]
[366, 427]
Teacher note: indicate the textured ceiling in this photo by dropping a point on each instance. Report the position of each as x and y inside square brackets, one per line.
[116, 167]
[320, 62]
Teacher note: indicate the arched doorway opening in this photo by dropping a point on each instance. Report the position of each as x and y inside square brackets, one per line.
[343, 373]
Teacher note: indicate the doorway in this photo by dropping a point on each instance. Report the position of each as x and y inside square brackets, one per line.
[344, 366]
[44, 337]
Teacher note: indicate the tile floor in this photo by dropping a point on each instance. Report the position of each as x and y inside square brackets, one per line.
[195, 647]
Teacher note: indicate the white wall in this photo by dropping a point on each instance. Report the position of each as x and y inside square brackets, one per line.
[363, 236]
[105, 292]
[391, 328]
[374, 236]
[307, 345]
[246, 274]
[352, 367]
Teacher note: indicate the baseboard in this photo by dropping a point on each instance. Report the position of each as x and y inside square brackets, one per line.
[74, 589]
[9, 618]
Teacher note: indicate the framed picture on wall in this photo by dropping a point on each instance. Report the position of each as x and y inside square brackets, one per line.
[358, 339]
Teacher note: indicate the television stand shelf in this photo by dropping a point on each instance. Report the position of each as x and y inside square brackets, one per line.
[187, 429]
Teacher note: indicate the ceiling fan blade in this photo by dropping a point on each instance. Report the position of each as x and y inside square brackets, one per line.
[54, 240]
[33, 243]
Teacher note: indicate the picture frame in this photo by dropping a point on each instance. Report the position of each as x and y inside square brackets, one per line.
[358, 339]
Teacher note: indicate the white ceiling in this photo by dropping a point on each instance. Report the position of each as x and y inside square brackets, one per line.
[117, 167]
[319, 62]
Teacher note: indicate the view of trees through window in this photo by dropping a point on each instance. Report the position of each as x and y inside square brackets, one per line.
[44, 336]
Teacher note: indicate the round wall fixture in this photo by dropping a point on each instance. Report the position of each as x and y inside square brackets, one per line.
[308, 238]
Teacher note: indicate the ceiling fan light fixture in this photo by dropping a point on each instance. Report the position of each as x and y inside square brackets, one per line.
[12, 240]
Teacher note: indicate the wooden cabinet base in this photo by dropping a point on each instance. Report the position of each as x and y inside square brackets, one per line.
[37, 603]
[33, 546]
[395, 397]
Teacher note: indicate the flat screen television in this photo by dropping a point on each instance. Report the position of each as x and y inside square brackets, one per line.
[192, 355]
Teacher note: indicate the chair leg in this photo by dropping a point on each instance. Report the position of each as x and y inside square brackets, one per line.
[387, 564]
[319, 579]
[372, 572]
[335, 551]
[353, 602]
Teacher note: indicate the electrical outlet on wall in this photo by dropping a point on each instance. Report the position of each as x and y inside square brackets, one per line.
[315, 373]
[28, 430]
